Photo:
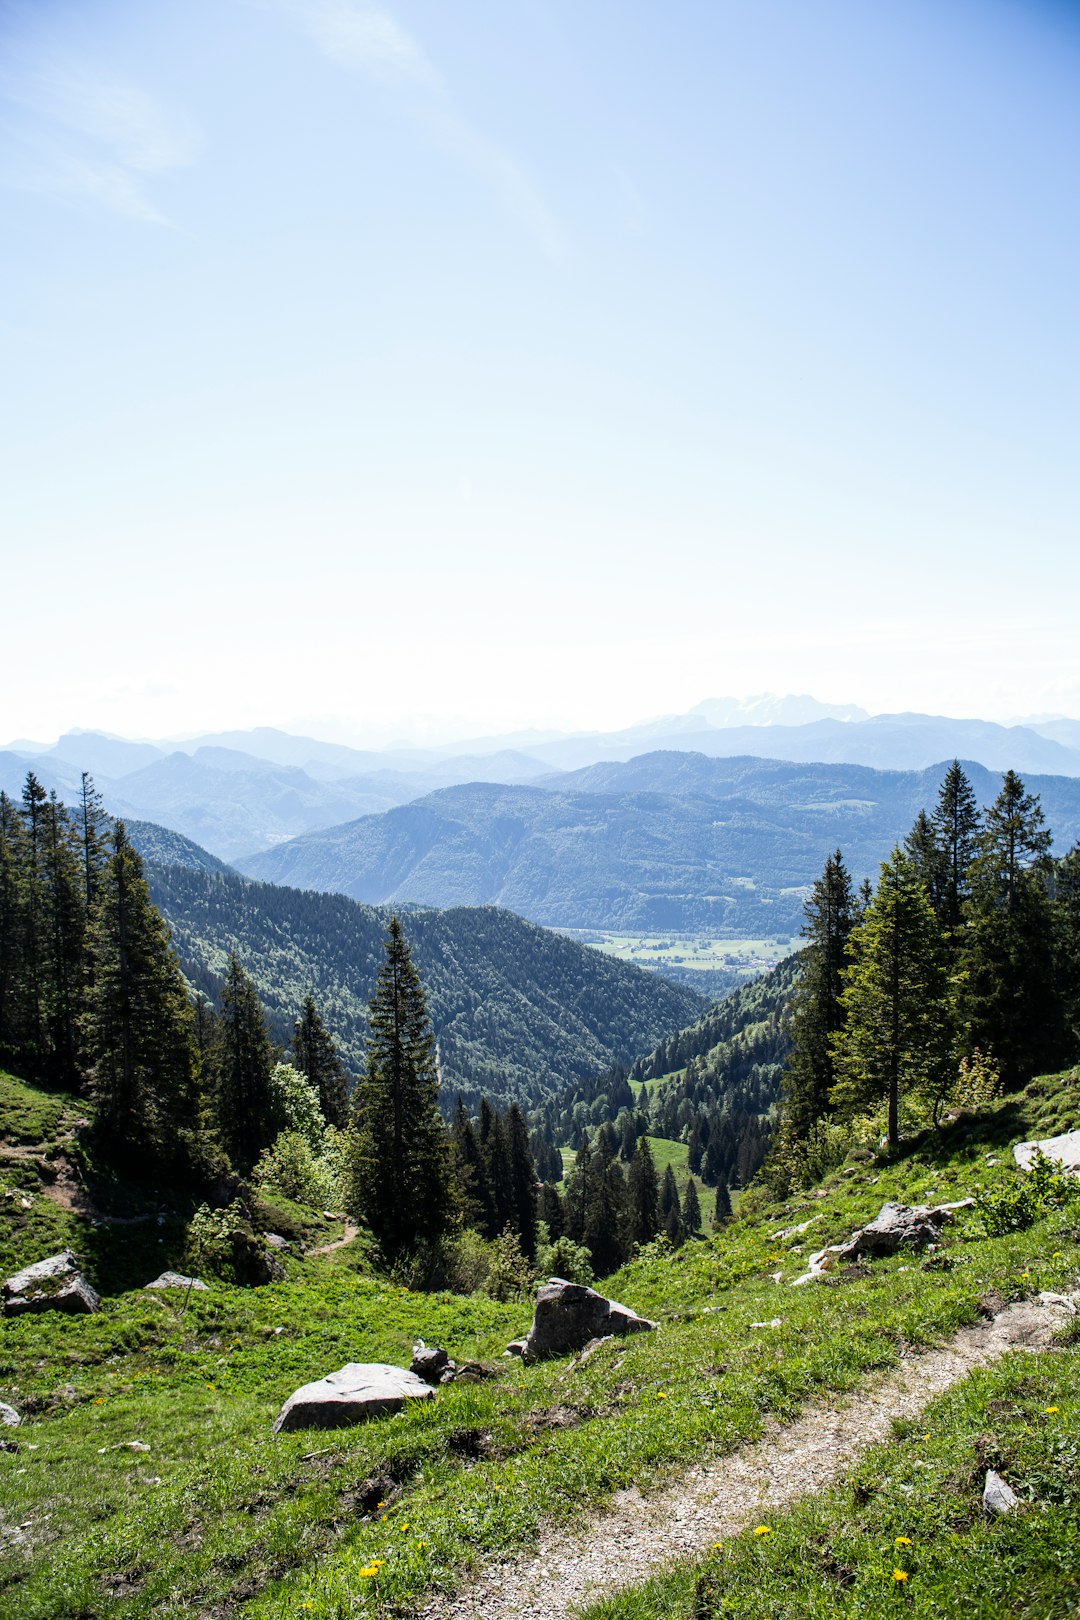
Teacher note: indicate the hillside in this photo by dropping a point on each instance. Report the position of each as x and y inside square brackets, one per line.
[517, 1011]
[668, 841]
[144, 1479]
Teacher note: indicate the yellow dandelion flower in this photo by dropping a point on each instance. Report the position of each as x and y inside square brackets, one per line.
[899, 1575]
[660, 1395]
[763, 1530]
[1051, 1409]
[404, 1527]
[717, 1545]
[902, 1541]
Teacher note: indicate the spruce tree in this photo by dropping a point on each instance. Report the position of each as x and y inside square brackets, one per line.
[401, 1186]
[241, 1063]
[722, 1211]
[317, 1058]
[522, 1181]
[138, 1029]
[1007, 941]
[956, 825]
[817, 1012]
[898, 1033]
[691, 1209]
[643, 1196]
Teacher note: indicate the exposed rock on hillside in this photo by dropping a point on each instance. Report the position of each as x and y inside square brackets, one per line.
[568, 1315]
[357, 1391]
[55, 1284]
[1062, 1151]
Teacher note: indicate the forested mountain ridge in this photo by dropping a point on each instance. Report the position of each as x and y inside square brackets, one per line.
[667, 841]
[518, 1011]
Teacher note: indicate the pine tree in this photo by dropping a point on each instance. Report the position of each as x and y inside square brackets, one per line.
[604, 1220]
[138, 1029]
[14, 1028]
[897, 1037]
[671, 1216]
[1067, 947]
[522, 1181]
[722, 1212]
[929, 860]
[241, 1063]
[317, 1059]
[956, 824]
[643, 1196]
[1007, 942]
[691, 1209]
[92, 823]
[401, 1186]
[817, 1012]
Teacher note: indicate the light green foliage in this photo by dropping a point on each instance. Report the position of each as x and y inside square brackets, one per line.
[292, 1169]
[563, 1258]
[510, 1276]
[978, 1083]
[221, 1243]
[1014, 1204]
[294, 1105]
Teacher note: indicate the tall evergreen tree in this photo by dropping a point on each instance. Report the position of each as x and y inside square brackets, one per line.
[93, 823]
[722, 1212]
[522, 1181]
[1007, 948]
[691, 1209]
[898, 1033]
[643, 1195]
[317, 1058]
[401, 1186]
[14, 1028]
[242, 1059]
[817, 1013]
[138, 1029]
[1067, 948]
[956, 825]
[929, 860]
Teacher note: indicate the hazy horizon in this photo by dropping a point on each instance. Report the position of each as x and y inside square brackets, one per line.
[408, 371]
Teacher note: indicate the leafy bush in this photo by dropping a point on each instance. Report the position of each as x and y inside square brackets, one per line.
[510, 1276]
[223, 1243]
[1014, 1205]
[291, 1168]
[564, 1258]
[294, 1105]
[978, 1083]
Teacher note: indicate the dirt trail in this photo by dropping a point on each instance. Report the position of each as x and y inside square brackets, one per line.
[338, 1243]
[638, 1535]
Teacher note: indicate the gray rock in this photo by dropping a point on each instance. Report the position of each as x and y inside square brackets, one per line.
[431, 1364]
[9, 1417]
[1062, 1151]
[55, 1284]
[176, 1279]
[353, 1393]
[998, 1497]
[516, 1347]
[568, 1315]
[274, 1240]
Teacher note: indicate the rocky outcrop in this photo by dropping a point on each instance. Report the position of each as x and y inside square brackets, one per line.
[568, 1315]
[55, 1284]
[998, 1497]
[9, 1417]
[895, 1227]
[176, 1279]
[352, 1394]
[1062, 1151]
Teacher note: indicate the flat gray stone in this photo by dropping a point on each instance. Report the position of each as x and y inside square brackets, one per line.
[55, 1284]
[355, 1392]
[176, 1279]
[998, 1497]
[568, 1315]
[9, 1418]
[1063, 1151]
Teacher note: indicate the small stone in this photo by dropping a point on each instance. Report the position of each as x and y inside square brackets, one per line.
[9, 1417]
[176, 1279]
[274, 1240]
[998, 1497]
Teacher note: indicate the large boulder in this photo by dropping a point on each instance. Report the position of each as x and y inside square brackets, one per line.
[55, 1284]
[1062, 1151]
[350, 1395]
[568, 1315]
[895, 1227]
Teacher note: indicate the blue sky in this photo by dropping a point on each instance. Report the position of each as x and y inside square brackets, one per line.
[439, 368]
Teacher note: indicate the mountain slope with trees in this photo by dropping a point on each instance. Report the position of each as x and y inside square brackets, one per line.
[668, 841]
[517, 1011]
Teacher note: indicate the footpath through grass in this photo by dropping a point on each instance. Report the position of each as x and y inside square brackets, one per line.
[221, 1517]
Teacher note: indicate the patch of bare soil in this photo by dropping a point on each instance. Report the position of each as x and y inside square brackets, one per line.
[639, 1534]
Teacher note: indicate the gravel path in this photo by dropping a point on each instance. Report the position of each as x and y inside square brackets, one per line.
[351, 1231]
[640, 1534]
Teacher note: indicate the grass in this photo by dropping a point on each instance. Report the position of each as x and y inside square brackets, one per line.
[697, 952]
[219, 1513]
[906, 1532]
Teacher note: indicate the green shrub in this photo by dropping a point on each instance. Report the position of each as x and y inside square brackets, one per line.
[224, 1244]
[1014, 1205]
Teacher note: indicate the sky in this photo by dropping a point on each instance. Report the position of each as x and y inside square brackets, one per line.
[428, 370]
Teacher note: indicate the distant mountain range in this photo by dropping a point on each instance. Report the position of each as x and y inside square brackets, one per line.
[241, 792]
[519, 1012]
[669, 841]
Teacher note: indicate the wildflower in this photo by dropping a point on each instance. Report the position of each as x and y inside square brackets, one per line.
[899, 1575]
[1025, 1274]
[763, 1530]
[902, 1541]
[660, 1395]
[717, 1545]
[1051, 1409]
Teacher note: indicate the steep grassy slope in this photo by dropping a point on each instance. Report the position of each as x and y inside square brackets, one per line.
[668, 841]
[218, 1517]
[518, 1011]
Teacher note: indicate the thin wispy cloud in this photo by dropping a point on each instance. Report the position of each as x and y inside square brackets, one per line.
[90, 139]
[370, 39]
